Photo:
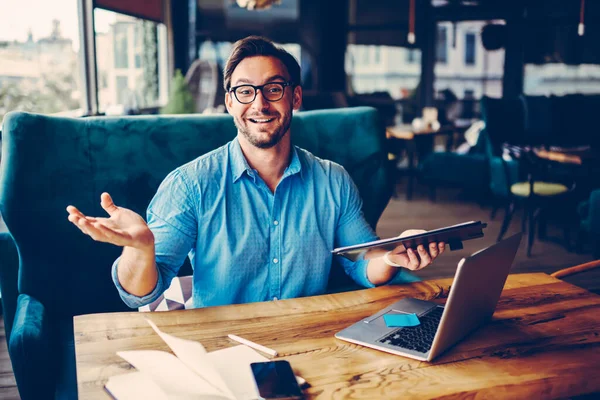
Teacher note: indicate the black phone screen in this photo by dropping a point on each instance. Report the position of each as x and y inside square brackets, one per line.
[276, 380]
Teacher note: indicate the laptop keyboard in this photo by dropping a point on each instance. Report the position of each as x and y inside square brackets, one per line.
[418, 338]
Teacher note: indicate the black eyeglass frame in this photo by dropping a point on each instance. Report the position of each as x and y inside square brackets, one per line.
[257, 87]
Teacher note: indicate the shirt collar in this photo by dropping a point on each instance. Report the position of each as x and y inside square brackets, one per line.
[239, 164]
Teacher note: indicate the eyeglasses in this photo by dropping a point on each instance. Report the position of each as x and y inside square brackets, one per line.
[272, 91]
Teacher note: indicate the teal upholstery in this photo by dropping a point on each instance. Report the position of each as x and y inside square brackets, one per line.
[533, 120]
[590, 220]
[51, 162]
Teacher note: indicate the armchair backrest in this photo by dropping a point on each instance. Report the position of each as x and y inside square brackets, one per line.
[51, 162]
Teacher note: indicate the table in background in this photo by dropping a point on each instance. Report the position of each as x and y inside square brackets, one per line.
[410, 135]
[543, 342]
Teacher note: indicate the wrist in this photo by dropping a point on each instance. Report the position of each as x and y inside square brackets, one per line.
[145, 243]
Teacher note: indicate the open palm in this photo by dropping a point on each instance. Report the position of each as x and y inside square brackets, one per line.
[123, 227]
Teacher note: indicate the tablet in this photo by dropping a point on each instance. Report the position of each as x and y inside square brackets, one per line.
[451, 235]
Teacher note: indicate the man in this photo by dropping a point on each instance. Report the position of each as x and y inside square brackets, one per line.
[258, 217]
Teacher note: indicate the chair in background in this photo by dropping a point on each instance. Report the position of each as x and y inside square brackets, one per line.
[50, 272]
[589, 226]
[205, 82]
[539, 197]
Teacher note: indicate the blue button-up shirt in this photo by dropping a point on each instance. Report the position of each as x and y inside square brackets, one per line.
[246, 243]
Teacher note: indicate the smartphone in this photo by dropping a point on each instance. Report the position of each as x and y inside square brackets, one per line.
[276, 380]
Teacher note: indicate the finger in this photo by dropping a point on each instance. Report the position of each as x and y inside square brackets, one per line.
[74, 210]
[424, 255]
[84, 225]
[401, 259]
[411, 232]
[414, 260]
[107, 203]
[433, 250]
[75, 221]
[442, 247]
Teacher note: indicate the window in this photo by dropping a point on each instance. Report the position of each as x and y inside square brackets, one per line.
[561, 79]
[413, 56]
[119, 39]
[131, 61]
[470, 48]
[137, 45]
[394, 73]
[122, 89]
[441, 46]
[39, 53]
[483, 75]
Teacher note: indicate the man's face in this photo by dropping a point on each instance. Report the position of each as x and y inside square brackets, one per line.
[263, 123]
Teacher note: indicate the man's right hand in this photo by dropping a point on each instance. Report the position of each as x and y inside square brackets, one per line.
[123, 228]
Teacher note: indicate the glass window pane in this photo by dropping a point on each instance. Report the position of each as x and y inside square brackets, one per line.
[131, 59]
[392, 70]
[459, 89]
[561, 79]
[441, 46]
[470, 49]
[39, 57]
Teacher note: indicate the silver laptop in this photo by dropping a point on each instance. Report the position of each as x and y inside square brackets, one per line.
[477, 285]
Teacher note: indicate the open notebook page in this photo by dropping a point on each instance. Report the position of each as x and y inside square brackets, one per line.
[194, 356]
[134, 386]
[171, 375]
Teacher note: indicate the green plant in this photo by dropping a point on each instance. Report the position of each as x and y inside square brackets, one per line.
[181, 100]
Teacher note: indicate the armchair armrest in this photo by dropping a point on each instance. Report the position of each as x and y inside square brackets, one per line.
[9, 276]
[30, 349]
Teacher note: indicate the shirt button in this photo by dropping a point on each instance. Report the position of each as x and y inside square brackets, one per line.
[275, 222]
[275, 261]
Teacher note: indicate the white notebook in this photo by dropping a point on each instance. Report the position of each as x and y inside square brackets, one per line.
[191, 373]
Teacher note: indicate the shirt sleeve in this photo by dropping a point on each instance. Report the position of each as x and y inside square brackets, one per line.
[352, 228]
[172, 218]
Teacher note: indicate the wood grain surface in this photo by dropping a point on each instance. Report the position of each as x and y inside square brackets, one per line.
[543, 342]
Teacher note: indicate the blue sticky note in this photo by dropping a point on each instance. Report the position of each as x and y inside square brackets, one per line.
[401, 320]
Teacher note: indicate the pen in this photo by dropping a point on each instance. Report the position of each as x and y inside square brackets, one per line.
[255, 346]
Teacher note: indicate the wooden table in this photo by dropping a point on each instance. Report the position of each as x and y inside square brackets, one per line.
[543, 342]
[566, 156]
[410, 135]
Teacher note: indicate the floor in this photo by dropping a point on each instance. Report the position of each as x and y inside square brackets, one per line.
[450, 208]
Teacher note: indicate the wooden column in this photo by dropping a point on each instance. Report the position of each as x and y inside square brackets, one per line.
[324, 27]
[428, 40]
[183, 16]
[514, 58]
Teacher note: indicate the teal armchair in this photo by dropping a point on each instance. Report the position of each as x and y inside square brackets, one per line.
[589, 227]
[50, 272]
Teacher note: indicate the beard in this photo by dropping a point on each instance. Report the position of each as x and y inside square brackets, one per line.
[253, 133]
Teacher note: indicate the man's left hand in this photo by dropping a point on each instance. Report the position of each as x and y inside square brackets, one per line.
[415, 260]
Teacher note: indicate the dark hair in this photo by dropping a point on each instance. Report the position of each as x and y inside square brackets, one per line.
[253, 46]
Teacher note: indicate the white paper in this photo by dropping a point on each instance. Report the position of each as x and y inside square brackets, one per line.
[134, 386]
[194, 355]
[233, 364]
[171, 375]
[192, 374]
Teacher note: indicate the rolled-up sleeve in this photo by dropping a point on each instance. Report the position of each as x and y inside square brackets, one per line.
[172, 218]
[352, 228]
